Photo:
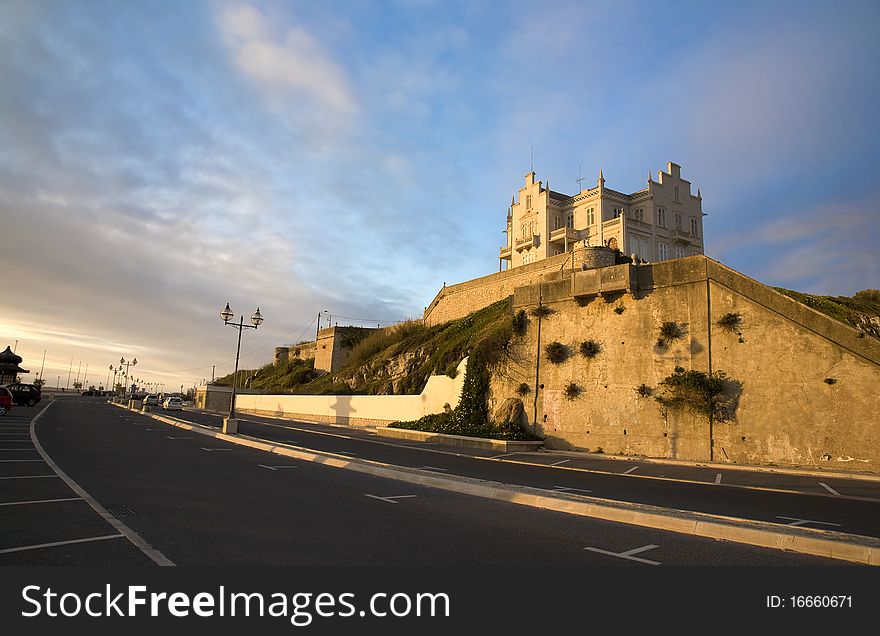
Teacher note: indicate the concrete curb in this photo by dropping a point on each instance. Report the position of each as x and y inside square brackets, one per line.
[823, 543]
[460, 440]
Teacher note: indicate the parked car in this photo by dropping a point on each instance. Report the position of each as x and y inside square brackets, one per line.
[173, 404]
[5, 400]
[27, 394]
[151, 400]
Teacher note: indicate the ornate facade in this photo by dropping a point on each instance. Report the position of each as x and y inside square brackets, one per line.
[661, 222]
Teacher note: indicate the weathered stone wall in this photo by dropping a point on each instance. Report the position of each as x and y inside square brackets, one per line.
[785, 412]
[334, 346]
[457, 301]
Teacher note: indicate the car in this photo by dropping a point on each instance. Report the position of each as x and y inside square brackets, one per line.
[26, 394]
[173, 404]
[5, 400]
[151, 400]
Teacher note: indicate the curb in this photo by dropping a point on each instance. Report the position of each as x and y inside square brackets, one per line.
[822, 543]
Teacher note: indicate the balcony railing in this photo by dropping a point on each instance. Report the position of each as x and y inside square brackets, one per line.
[505, 252]
[524, 243]
[563, 233]
[680, 236]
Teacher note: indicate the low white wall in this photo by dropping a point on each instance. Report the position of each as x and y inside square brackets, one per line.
[363, 409]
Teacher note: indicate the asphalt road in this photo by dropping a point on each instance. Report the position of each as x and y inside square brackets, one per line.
[201, 501]
[853, 506]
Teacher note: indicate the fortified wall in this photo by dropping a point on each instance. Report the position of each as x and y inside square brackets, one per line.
[457, 301]
[330, 351]
[802, 388]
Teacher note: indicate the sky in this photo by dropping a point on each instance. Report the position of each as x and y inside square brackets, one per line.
[159, 159]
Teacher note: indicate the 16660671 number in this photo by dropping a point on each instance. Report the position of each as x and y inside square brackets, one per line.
[809, 601]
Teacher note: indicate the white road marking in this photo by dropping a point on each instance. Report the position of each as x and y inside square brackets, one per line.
[505, 455]
[718, 478]
[275, 467]
[344, 453]
[178, 437]
[211, 450]
[157, 557]
[629, 470]
[16, 461]
[442, 470]
[829, 488]
[567, 489]
[31, 477]
[57, 543]
[800, 522]
[39, 501]
[391, 498]
[628, 554]
[561, 462]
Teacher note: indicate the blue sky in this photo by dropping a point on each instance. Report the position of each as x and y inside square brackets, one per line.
[160, 158]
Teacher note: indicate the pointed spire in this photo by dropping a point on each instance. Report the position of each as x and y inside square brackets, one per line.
[509, 214]
[699, 196]
[601, 180]
[649, 177]
[513, 200]
[548, 184]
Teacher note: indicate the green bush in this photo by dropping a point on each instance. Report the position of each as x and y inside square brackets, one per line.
[520, 322]
[556, 352]
[644, 390]
[471, 416]
[590, 348]
[523, 389]
[542, 311]
[696, 391]
[729, 322]
[572, 391]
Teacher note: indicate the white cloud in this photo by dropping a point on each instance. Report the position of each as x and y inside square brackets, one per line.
[296, 76]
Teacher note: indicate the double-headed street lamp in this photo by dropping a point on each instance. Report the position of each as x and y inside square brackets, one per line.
[230, 424]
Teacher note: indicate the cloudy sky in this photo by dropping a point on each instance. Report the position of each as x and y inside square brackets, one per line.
[159, 158]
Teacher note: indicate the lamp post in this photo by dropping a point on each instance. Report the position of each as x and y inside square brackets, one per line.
[112, 387]
[126, 363]
[230, 424]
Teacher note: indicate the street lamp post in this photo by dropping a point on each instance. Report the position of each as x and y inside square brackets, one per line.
[127, 363]
[230, 424]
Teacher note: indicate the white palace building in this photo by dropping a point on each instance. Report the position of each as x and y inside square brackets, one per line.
[660, 222]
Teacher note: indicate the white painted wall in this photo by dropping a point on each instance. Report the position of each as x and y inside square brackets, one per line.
[439, 390]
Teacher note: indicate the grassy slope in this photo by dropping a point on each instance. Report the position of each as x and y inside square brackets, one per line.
[427, 351]
[862, 311]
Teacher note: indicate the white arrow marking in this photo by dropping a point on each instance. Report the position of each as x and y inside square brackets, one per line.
[443, 470]
[628, 554]
[562, 462]
[211, 450]
[718, 478]
[392, 498]
[627, 472]
[275, 467]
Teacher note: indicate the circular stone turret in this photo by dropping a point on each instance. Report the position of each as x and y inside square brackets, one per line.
[593, 257]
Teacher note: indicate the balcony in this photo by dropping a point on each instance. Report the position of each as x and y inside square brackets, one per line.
[524, 243]
[680, 236]
[563, 234]
[505, 252]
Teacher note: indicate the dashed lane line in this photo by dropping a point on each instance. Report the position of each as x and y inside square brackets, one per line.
[40, 546]
[32, 477]
[536, 464]
[829, 489]
[39, 501]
